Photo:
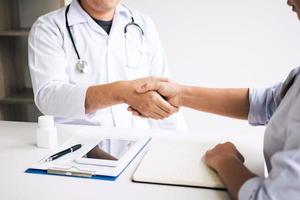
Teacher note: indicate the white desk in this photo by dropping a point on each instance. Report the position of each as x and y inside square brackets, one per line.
[18, 152]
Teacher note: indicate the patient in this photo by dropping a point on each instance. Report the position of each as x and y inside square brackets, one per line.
[277, 107]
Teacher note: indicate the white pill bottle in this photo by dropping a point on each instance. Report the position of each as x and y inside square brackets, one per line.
[46, 133]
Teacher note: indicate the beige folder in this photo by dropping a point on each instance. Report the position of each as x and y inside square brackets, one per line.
[175, 162]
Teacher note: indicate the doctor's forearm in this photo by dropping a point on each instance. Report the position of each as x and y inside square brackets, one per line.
[150, 104]
[102, 96]
[227, 102]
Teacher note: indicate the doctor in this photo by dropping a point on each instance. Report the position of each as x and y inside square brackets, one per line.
[277, 107]
[82, 58]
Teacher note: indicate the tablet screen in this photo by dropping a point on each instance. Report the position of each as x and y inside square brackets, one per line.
[110, 149]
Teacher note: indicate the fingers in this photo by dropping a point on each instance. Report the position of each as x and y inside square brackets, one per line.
[152, 105]
[150, 86]
[152, 83]
[160, 113]
[240, 156]
[154, 115]
[222, 152]
[166, 106]
[134, 112]
[235, 151]
[159, 78]
[160, 108]
[153, 112]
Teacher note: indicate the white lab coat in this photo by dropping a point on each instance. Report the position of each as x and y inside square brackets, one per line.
[59, 89]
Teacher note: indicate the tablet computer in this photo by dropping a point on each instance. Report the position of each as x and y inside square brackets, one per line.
[111, 152]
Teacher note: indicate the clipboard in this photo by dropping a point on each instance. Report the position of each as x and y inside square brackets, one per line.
[97, 177]
[68, 167]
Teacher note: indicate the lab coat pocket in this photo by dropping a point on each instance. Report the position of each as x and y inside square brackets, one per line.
[138, 60]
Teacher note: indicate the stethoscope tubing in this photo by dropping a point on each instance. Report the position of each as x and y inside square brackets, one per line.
[80, 61]
[132, 23]
[69, 32]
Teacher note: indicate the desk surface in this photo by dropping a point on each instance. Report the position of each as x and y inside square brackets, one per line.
[18, 151]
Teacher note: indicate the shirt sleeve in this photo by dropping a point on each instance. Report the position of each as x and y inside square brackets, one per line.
[159, 60]
[263, 103]
[53, 92]
[282, 182]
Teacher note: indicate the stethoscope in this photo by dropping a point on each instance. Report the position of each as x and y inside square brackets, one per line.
[82, 64]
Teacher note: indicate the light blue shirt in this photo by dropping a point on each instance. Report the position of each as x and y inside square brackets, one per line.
[278, 107]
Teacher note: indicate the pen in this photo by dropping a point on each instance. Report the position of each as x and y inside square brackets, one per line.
[64, 152]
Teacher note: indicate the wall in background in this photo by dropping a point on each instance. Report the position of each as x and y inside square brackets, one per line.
[29, 11]
[233, 43]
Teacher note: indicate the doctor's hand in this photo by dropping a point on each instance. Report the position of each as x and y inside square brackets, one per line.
[168, 89]
[148, 103]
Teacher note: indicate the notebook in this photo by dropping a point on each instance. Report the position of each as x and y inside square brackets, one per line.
[177, 163]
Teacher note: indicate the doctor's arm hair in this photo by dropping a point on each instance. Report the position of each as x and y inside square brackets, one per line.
[150, 104]
[101, 96]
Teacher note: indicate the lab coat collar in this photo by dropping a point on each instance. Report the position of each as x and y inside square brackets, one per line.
[77, 15]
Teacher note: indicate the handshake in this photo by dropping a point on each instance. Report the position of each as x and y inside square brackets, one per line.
[152, 97]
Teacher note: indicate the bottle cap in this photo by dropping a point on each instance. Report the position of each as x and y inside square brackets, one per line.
[46, 121]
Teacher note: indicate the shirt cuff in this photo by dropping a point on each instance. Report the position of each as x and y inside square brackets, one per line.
[249, 188]
[256, 115]
[251, 114]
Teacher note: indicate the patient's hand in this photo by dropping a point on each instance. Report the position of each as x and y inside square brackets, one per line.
[169, 90]
[145, 101]
[215, 157]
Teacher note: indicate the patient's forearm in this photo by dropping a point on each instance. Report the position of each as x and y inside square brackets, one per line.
[227, 102]
[233, 174]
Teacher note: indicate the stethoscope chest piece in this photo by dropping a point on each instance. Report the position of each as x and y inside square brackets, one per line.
[82, 66]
